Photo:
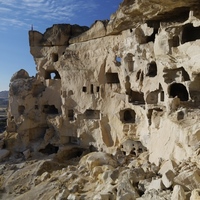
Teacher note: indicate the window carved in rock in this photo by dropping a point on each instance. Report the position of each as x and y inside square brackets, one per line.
[127, 116]
[92, 114]
[112, 78]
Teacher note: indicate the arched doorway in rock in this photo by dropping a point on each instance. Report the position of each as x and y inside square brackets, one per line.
[52, 74]
[179, 90]
[127, 116]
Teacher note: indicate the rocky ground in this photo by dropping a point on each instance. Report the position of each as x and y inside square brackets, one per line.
[76, 174]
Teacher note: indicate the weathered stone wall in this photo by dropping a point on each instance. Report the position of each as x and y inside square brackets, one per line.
[133, 79]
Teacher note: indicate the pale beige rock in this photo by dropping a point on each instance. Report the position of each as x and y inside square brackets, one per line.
[196, 158]
[126, 196]
[97, 30]
[45, 176]
[63, 98]
[97, 159]
[154, 194]
[167, 178]
[63, 194]
[108, 175]
[188, 179]
[114, 102]
[125, 188]
[166, 166]
[156, 184]
[178, 193]
[195, 194]
[72, 197]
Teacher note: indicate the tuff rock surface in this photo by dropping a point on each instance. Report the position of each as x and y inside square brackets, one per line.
[112, 112]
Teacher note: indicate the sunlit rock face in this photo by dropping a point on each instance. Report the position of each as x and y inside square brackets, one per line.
[131, 84]
[113, 111]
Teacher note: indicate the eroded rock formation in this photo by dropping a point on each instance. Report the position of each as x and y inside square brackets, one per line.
[128, 88]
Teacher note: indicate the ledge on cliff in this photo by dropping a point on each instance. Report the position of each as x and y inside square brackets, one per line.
[131, 13]
[97, 30]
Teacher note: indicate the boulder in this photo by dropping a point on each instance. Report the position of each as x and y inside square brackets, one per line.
[4, 153]
[167, 178]
[94, 159]
[166, 166]
[178, 193]
[156, 184]
[195, 195]
[155, 195]
[188, 179]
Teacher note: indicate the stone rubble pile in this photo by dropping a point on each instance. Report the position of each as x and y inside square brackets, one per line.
[98, 176]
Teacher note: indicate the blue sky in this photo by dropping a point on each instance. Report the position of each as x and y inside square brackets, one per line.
[17, 16]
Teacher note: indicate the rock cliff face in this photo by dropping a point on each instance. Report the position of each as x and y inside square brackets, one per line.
[127, 87]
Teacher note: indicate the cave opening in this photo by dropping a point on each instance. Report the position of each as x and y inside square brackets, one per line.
[152, 97]
[151, 69]
[71, 115]
[127, 116]
[190, 33]
[92, 89]
[179, 74]
[180, 115]
[112, 77]
[138, 75]
[136, 97]
[54, 57]
[74, 140]
[92, 114]
[36, 107]
[118, 59]
[162, 96]
[52, 74]
[179, 90]
[84, 89]
[49, 149]
[50, 109]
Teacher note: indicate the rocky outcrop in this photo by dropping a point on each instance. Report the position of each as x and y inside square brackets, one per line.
[57, 35]
[118, 103]
[150, 74]
[132, 13]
